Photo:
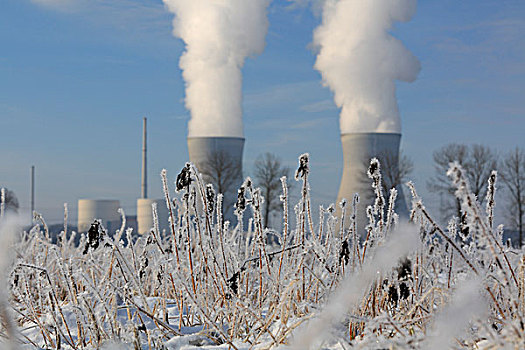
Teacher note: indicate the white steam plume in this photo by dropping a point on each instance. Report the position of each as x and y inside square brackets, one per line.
[360, 61]
[219, 35]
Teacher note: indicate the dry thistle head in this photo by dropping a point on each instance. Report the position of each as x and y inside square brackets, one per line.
[303, 169]
[248, 183]
[95, 234]
[210, 198]
[240, 205]
[184, 178]
[404, 269]
[374, 168]
[344, 253]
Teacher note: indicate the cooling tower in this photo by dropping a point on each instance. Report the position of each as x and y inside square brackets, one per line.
[219, 159]
[104, 210]
[145, 215]
[358, 149]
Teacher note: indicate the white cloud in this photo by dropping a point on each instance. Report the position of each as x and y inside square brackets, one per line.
[320, 106]
[119, 8]
[57, 4]
[136, 18]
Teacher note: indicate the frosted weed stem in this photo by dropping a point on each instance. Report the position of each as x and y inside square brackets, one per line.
[169, 205]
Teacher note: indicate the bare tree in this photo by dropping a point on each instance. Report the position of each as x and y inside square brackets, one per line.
[10, 201]
[225, 174]
[478, 162]
[512, 171]
[268, 171]
[395, 170]
[481, 162]
[221, 171]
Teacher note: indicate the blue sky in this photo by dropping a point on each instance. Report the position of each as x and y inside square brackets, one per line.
[77, 76]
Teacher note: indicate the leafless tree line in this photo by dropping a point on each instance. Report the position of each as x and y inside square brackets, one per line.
[222, 172]
[267, 173]
[478, 161]
[512, 171]
[395, 169]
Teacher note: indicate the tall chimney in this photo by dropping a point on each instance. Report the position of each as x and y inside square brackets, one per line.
[358, 149]
[32, 190]
[144, 184]
[145, 220]
[215, 155]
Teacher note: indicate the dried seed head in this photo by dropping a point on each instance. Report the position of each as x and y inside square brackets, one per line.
[240, 205]
[95, 234]
[344, 253]
[303, 168]
[404, 269]
[184, 178]
[210, 198]
[404, 291]
[373, 169]
[233, 282]
[393, 296]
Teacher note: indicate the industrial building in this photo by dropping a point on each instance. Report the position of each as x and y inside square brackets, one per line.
[105, 210]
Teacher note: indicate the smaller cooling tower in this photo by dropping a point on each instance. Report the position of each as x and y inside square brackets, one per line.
[145, 215]
[102, 209]
[219, 159]
[358, 149]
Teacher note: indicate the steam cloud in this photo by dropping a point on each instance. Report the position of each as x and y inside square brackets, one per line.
[219, 35]
[359, 60]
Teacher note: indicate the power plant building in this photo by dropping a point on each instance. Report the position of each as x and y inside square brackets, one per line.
[105, 210]
[145, 221]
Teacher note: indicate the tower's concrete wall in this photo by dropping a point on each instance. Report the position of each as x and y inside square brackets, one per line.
[358, 149]
[204, 151]
[145, 215]
[103, 209]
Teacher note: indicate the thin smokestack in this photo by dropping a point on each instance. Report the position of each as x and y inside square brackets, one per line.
[32, 190]
[360, 61]
[219, 36]
[144, 184]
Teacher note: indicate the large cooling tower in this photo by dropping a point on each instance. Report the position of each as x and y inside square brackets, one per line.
[145, 215]
[104, 210]
[219, 159]
[358, 149]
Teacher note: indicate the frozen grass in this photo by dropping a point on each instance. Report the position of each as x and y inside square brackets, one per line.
[209, 283]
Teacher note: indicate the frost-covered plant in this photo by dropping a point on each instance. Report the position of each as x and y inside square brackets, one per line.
[211, 281]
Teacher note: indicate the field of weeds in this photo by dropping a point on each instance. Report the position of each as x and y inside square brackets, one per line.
[321, 284]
